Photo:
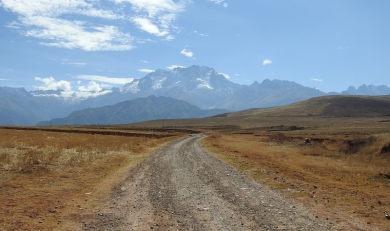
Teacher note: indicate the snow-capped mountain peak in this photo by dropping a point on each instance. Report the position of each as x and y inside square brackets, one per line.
[198, 85]
[131, 87]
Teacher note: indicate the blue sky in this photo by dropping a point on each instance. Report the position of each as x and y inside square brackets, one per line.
[89, 45]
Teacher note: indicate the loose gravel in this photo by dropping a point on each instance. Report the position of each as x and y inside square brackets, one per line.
[181, 187]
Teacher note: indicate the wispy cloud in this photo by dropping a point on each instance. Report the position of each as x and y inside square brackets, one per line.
[156, 8]
[145, 70]
[187, 53]
[57, 23]
[315, 79]
[13, 24]
[169, 37]
[42, 19]
[77, 64]
[105, 79]
[156, 16]
[267, 62]
[171, 67]
[146, 25]
[200, 34]
[68, 62]
[220, 2]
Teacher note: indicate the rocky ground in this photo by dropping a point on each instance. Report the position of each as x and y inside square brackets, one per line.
[181, 187]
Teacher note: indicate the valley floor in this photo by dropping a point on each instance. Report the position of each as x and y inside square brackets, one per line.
[251, 179]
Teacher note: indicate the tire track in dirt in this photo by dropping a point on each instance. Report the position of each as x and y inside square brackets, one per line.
[182, 187]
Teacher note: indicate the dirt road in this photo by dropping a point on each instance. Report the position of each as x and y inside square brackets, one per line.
[181, 187]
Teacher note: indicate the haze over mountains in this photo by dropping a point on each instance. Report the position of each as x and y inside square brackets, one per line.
[141, 109]
[329, 110]
[202, 87]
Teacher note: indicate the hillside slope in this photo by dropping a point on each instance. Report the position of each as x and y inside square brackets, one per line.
[336, 106]
[141, 109]
[311, 112]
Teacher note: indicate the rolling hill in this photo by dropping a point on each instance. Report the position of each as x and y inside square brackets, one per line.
[311, 112]
[330, 106]
[141, 109]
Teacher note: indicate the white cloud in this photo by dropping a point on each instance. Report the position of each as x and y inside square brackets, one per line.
[50, 8]
[187, 53]
[267, 62]
[315, 79]
[170, 38]
[220, 2]
[156, 16]
[14, 25]
[145, 70]
[92, 87]
[77, 95]
[68, 62]
[51, 84]
[171, 67]
[54, 22]
[77, 64]
[155, 7]
[68, 34]
[200, 34]
[142, 41]
[42, 19]
[146, 25]
[105, 79]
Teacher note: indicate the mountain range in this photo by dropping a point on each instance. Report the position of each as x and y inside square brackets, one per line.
[200, 86]
[140, 109]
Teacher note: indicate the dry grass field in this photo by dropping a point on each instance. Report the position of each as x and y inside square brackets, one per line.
[343, 176]
[50, 179]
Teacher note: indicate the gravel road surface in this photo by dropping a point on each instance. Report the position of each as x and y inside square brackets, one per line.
[181, 187]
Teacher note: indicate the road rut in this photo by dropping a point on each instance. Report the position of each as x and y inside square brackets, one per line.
[181, 187]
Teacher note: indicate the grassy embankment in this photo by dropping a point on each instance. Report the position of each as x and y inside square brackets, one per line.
[53, 180]
[344, 173]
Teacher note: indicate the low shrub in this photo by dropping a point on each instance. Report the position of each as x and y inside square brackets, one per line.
[358, 143]
[386, 149]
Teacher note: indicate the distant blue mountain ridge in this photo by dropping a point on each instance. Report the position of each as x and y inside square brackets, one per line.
[200, 86]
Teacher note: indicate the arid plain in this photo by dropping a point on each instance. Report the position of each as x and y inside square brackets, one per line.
[330, 153]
